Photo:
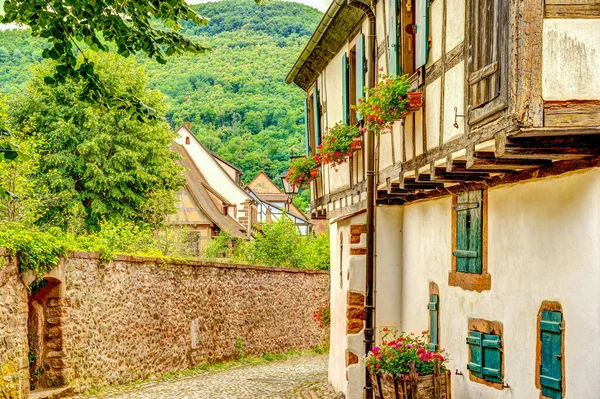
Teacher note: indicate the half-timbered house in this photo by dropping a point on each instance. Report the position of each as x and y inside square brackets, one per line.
[477, 217]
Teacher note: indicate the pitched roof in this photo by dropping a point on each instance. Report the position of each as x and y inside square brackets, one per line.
[262, 184]
[226, 162]
[195, 184]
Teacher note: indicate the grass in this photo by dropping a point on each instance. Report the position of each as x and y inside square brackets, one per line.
[206, 367]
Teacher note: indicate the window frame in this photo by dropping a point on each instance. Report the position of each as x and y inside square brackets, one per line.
[550, 306]
[310, 116]
[471, 281]
[434, 291]
[487, 327]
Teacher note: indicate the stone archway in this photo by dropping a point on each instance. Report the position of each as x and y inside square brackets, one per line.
[45, 335]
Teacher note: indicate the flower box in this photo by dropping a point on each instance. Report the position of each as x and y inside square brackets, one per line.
[302, 171]
[356, 144]
[338, 144]
[314, 173]
[415, 100]
[412, 386]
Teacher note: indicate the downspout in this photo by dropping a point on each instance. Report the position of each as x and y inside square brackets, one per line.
[370, 169]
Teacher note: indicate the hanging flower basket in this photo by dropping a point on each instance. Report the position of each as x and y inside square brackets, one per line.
[385, 103]
[415, 100]
[337, 144]
[403, 367]
[356, 144]
[302, 171]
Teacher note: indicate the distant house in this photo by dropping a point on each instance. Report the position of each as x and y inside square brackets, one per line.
[209, 176]
[272, 203]
[200, 207]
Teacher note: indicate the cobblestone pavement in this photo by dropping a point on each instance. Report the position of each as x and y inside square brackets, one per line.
[299, 378]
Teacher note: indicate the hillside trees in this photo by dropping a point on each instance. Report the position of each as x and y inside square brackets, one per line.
[96, 163]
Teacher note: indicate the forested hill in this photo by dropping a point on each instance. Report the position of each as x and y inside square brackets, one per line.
[235, 96]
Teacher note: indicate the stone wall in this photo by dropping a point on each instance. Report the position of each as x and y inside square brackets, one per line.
[138, 317]
[14, 374]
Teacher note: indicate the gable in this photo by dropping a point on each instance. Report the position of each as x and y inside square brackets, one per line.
[263, 185]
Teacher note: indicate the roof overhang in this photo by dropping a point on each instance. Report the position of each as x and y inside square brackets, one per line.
[338, 23]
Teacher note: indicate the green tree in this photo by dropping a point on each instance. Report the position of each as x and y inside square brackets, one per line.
[96, 163]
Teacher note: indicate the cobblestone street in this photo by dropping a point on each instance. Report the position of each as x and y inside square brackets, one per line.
[299, 378]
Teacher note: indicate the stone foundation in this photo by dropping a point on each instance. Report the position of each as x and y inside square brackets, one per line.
[111, 323]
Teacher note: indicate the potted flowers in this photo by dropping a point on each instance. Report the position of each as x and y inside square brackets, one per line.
[338, 143]
[403, 367]
[302, 170]
[388, 102]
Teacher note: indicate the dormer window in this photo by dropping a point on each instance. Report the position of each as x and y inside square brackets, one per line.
[187, 141]
[225, 209]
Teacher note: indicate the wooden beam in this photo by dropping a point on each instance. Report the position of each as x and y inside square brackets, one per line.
[504, 165]
[557, 132]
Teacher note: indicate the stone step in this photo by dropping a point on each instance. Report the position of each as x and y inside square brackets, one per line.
[52, 393]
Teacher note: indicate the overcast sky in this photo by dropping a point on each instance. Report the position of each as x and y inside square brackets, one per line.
[320, 4]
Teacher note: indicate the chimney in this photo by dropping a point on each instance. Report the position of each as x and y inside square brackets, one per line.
[188, 125]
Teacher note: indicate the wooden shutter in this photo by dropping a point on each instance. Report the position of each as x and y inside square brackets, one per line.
[484, 51]
[345, 89]
[360, 70]
[492, 358]
[306, 128]
[551, 359]
[422, 32]
[433, 321]
[316, 116]
[475, 364]
[393, 38]
[469, 231]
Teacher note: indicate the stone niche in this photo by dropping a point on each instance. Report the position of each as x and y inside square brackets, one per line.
[44, 333]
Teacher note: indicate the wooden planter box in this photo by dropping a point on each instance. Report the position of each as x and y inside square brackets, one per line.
[388, 386]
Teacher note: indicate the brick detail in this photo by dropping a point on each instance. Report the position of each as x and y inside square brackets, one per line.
[355, 313]
[354, 239]
[351, 358]
[358, 229]
[358, 251]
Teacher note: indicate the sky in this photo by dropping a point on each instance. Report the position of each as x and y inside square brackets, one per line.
[318, 4]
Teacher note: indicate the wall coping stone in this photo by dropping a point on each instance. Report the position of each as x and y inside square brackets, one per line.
[197, 263]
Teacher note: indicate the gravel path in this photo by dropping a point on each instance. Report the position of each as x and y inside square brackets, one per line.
[299, 378]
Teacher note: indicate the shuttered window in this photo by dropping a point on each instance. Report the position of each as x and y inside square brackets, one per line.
[485, 356]
[469, 231]
[393, 38]
[360, 70]
[433, 321]
[346, 89]
[316, 116]
[551, 356]
[488, 30]
[307, 128]
[408, 36]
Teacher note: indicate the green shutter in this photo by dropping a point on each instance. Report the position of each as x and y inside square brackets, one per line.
[316, 116]
[551, 364]
[476, 362]
[345, 89]
[492, 358]
[360, 70]
[433, 321]
[306, 128]
[469, 227]
[422, 32]
[393, 68]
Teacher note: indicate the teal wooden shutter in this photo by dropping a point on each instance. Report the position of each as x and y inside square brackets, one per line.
[492, 358]
[469, 227]
[306, 128]
[360, 70]
[316, 116]
[433, 322]
[393, 68]
[476, 362]
[422, 32]
[346, 88]
[551, 364]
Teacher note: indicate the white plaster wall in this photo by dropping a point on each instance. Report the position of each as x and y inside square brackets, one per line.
[337, 348]
[385, 150]
[455, 27]
[432, 107]
[571, 59]
[544, 244]
[454, 96]
[214, 175]
[388, 277]
[435, 31]
[335, 111]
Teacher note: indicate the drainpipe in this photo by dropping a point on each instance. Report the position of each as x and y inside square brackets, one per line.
[370, 169]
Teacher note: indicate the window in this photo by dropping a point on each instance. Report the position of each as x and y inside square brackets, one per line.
[487, 51]
[187, 141]
[408, 36]
[469, 263]
[312, 121]
[550, 359]
[433, 321]
[353, 80]
[485, 352]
